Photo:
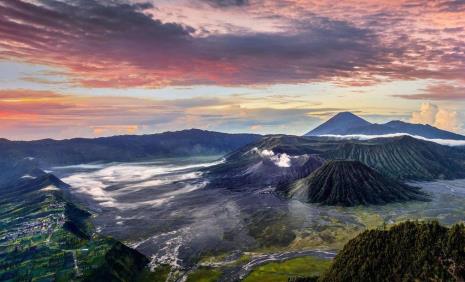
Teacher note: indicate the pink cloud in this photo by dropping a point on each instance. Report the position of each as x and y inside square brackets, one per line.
[101, 44]
[442, 91]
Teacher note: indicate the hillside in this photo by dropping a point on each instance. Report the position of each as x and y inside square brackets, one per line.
[184, 143]
[46, 237]
[407, 252]
[351, 183]
[404, 158]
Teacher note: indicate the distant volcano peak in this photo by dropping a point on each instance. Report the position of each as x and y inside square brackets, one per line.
[338, 124]
[347, 123]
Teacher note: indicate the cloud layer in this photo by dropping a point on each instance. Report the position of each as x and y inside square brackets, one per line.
[27, 114]
[123, 44]
[447, 142]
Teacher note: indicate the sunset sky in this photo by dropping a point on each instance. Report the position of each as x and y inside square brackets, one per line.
[88, 68]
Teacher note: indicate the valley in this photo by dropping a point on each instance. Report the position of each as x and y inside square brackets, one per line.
[165, 210]
[275, 208]
[232, 140]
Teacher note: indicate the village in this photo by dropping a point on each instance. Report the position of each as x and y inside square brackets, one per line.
[37, 226]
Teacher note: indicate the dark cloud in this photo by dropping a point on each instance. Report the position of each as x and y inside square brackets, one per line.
[451, 5]
[117, 44]
[226, 3]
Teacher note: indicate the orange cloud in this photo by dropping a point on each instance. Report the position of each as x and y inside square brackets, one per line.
[115, 129]
[25, 94]
[56, 115]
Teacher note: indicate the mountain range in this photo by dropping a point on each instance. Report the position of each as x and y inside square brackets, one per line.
[281, 159]
[346, 123]
[124, 148]
[316, 169]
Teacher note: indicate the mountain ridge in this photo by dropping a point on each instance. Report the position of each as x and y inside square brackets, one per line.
[193, 142]
[404, 158]
[408, 251]
[346, 123]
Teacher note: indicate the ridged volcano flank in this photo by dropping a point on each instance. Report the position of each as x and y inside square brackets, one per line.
[350, 183]
[404, 158]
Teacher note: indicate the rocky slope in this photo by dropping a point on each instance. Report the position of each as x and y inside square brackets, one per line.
[350, 183]
[404, 158]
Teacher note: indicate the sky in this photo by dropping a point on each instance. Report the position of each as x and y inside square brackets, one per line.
[90, 68]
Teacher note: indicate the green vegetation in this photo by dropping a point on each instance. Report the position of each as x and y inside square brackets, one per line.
[282, 271]
[410, 251]
[45, 237]
[204, 274]
[270, 229]
[160, 273]
[121, 264]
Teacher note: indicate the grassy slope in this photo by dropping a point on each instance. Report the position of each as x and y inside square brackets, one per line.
[281, 271]
[54, 239]
[204, 275]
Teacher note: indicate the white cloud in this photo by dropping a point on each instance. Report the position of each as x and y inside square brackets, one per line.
[436, 116]
[267, 153]
[447, 142]
[281, 160]
[132, 178]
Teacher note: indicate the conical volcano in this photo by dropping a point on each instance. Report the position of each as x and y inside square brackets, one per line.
[339, 124]
[351, 183]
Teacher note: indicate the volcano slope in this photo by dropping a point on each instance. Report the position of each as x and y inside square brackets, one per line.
[350, 183]
[278, 160]
[271, 161]
[404, 158]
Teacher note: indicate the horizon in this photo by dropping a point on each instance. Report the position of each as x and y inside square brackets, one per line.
[350, 136]
[87, 69]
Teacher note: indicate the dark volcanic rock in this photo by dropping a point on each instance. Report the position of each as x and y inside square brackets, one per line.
[271, 161]
[350, 183]
[404, 158]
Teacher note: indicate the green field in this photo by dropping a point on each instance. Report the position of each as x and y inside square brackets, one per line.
[281, 271]
[204, 275]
